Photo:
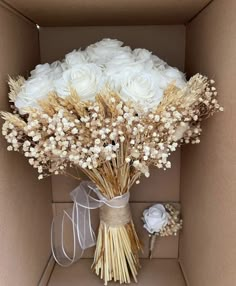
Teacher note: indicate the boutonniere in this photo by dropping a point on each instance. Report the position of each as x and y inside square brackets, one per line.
[161, 220]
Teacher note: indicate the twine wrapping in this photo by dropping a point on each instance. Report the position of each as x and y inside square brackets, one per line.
[115, 217]
[86, 196]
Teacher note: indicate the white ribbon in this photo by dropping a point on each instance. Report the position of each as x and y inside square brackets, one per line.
[79, 217]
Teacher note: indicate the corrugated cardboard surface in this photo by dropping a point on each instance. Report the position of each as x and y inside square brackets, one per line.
[168, 42]
[25, 210]
[106, 12]
[208, 171]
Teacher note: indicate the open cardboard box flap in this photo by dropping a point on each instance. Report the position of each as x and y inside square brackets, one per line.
[117, 12]
[195, 36]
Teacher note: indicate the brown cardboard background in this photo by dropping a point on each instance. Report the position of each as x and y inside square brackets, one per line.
[25, 209]
[208, 171]
[106, 12]
[168, 42]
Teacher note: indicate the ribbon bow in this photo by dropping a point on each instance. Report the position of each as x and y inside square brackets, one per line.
[79, 217]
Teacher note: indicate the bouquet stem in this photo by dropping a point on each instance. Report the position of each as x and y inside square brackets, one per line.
[116, 254]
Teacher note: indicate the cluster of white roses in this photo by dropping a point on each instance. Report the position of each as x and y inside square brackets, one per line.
[135, 75]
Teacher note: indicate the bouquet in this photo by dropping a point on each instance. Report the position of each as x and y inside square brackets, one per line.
[111, 112]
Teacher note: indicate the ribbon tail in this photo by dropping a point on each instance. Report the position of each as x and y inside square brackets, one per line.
[79, 219]
[85, 197]
[61, 255]
[82, 220]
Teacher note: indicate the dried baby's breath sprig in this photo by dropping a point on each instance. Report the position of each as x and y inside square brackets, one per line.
[174, 223]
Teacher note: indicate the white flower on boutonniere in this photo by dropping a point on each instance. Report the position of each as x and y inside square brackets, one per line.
[155, 218]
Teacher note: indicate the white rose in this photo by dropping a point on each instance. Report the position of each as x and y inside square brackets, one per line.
[41, 70]
[47, 70]
[142, 54]
[158, 63]
[145, 57]
[56, 70]
[33, 90]
[103, 51]
[160, 78]
[155, 218]
[75, 57]
[168, 75]
[174, 75]
[119, 61]
[141, 88]
[125, 64]
[86, 79]
[138, 61]
[121, 67]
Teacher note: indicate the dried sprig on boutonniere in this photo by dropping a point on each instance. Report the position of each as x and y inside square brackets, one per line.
[161, 220]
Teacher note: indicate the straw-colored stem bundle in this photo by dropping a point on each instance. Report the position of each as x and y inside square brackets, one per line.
[116, 255]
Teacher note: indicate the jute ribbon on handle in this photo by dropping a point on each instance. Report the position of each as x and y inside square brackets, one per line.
[86, 196]
[115, 217]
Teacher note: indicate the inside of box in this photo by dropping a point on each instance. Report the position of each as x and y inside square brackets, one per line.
[201, 181]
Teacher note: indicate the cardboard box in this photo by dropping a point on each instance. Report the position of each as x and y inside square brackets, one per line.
[195, 36]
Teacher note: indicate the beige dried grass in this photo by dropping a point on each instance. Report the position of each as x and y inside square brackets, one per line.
[13, 119]
[15, 86]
